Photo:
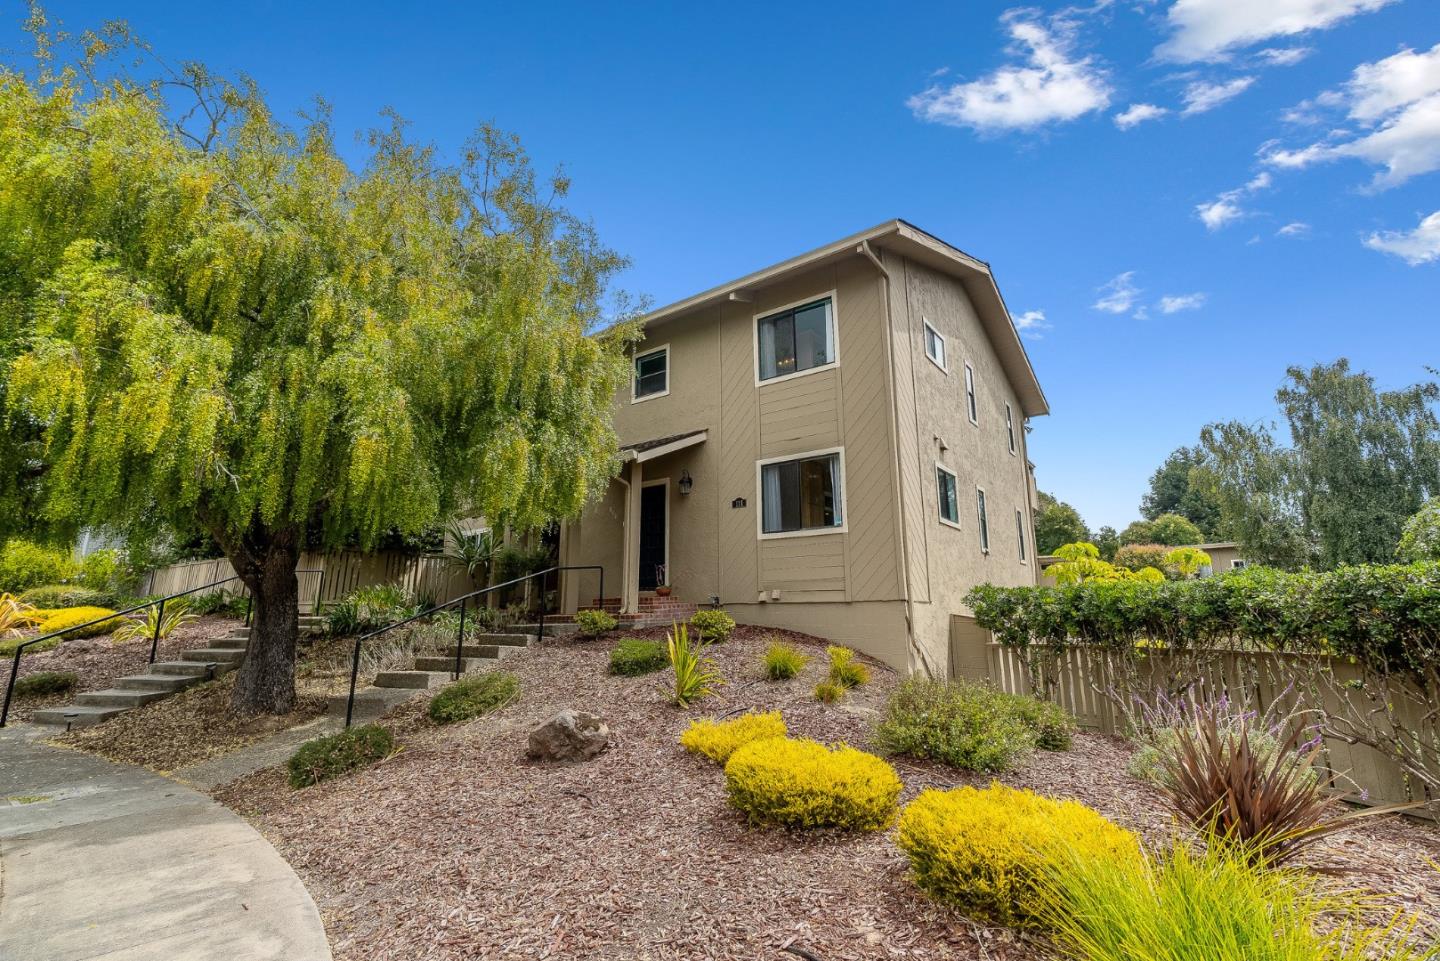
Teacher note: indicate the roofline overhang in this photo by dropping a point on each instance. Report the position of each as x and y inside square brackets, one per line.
[689, 440]
[910, 241]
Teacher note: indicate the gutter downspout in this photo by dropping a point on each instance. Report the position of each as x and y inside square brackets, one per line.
[864, 250]
[624, 547]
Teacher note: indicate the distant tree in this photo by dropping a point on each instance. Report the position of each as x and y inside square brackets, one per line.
[1057, 523]
[1420, 538]
[232, 329]
[1360, 463]
[1177, 487]
[1170, 530]
[1108, 542]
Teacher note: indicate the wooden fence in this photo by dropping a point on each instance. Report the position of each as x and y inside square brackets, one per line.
[1084, 681]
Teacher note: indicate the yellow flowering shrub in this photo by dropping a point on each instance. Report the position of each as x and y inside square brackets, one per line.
[51, 621]
[717, 740]
[989, 851]
[804, 784]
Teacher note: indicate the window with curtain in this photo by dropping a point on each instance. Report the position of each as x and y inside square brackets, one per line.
[801, 495]
[652, 373]
[949, 496]
[984, 521]
[796, 340]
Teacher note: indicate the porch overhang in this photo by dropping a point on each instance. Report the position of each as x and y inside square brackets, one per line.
[632, 476]
[645, 450]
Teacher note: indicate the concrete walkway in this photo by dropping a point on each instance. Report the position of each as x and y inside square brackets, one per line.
[104, 861]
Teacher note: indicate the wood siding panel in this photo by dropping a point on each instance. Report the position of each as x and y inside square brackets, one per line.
[803, 564]
[738, 445]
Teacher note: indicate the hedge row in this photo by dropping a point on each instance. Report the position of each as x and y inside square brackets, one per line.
[1387, 616]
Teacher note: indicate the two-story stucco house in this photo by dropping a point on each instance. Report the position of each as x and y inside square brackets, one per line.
[834, 444]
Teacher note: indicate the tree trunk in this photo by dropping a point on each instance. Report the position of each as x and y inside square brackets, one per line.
[265, 682]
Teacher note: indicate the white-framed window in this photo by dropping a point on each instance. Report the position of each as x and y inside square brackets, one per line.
[948, 490]
[796, 340]
[971, 410]
[802, 494]
[652, 374]
[1020, 534]
[984, 520]
[1010, 427]
[1237, 565]
[935, 347]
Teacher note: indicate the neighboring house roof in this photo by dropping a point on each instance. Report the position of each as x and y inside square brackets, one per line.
[1218, 545]
[910, 241]
[660, 446]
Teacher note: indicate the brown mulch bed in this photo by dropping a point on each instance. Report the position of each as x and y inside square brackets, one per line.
[458, 847]
[98, 661]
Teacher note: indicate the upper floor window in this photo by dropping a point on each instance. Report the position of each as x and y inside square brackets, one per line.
[803, 494]
[796, 339]
[984, 520]
[948, 492]
[971, 410]
[1020, 534]
[1010, 428]
[652, 374]
[935, 347]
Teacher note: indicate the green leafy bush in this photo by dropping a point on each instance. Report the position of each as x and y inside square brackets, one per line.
[473, 696]
[845, 671]
[335, 754]
[368, 608]
[106, 572]
[633, 657]
[804, 784]
[1420, 538]
[46, 682]
[783, 662]
[1054, 728]
[712, 625]
[970, 726]
[56, 596]
[219, 602]
[25, 564]
[595, 622]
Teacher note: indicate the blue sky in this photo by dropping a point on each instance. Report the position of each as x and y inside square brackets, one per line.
[1181, 197]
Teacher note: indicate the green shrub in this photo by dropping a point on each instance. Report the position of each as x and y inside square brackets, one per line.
[1054, 728]
[991, 851]
[804, 784]
[24, 564]
[473, 696]
[368, 608]
[219, 602]
[46, 682]
[970, 726]
[633, 657]
[595, 622]
[717, 740]
[67, 617]
[56, 596]
[712, 625]
[844, 669]
[828, 692]
[106, 573]
[783, 662]
[333, 755]
[9, 644]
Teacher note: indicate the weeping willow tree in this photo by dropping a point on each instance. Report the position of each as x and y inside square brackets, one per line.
[223, 325]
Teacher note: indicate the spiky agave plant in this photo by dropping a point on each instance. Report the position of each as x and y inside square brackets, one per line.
[155, 623]
[695, 674]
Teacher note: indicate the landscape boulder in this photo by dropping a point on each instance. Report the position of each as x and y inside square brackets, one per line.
[569, 736]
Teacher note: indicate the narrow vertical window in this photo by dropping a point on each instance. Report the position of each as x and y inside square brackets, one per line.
[970, 408]
[984, 521]
[1010, 426]
[935, 347]
[1020, 534]
[948, 493]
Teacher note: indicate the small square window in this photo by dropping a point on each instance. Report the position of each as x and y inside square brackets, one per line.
[948, 495]
[796, 340]
[935, 347]
[971, 410]
[984, 521]
[652, 373]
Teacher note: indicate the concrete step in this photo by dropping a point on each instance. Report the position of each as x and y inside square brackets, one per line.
[188, 669]
[164, 683]
[231, 643]
[215, 655]
[553, 628]
[120, 697]
[371, 702]
[77, 715]
[413, 680]
[447, 664]
[509, 640]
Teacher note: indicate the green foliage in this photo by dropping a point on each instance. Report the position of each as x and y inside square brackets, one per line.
[24, 564]
[42, 683]
[1081, 562]
[106, 572]
[54, 596]
[8, 645]
[335, 754]
[712, 625]
[992, 851]
[717, 740]
[473, 696]
[804, 784]
[1210, 906]
[1057, 523]
[368, 608]
[828, 692]
[782, 662]
[1167, 530]
[845, 671]
[152, 622]
[970, 726]
[1420, 537]
[1137, 557]
[1186, 561]
[695, 674]
[1107, 541]
[633, 657]
[1181, 486]
[474, 551]
[595, 622]
[219, 602]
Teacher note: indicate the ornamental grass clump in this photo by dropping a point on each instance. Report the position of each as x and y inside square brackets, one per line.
[990, 852]
[473, 696]
[335, 754]
[970, 726]
[695, 674]
[16, 615]
[844, 669]
[828, 692]
[804, 784]
[717, 740]
[782, 662]
[155, 623]
[633, 657]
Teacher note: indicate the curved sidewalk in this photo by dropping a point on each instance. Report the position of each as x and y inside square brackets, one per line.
[105, 861]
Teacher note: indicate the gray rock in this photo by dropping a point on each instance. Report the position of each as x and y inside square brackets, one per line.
[569, 736]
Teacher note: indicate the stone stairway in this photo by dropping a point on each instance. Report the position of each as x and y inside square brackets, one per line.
[162, 679]
[432, 670]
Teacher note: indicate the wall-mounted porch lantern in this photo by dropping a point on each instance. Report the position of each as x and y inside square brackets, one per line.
[685, 482]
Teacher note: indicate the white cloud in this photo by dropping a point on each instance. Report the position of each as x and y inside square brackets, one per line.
[1201, 95]
[1138, 113]
[1118, 295]
[1212, 29]
[1282, 56]
[1031, 323]
[1296, 229]
[1051, 84]
[1415, 247]
[1396, 102]
[1226, 209]
[1174, 303]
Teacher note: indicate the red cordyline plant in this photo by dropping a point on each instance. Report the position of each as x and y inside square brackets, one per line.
[1267, 805]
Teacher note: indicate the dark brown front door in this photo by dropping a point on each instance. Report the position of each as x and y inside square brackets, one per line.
[652, 534]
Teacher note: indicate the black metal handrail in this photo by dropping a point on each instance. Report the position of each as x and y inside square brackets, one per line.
[463, 600]
[158, 603]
